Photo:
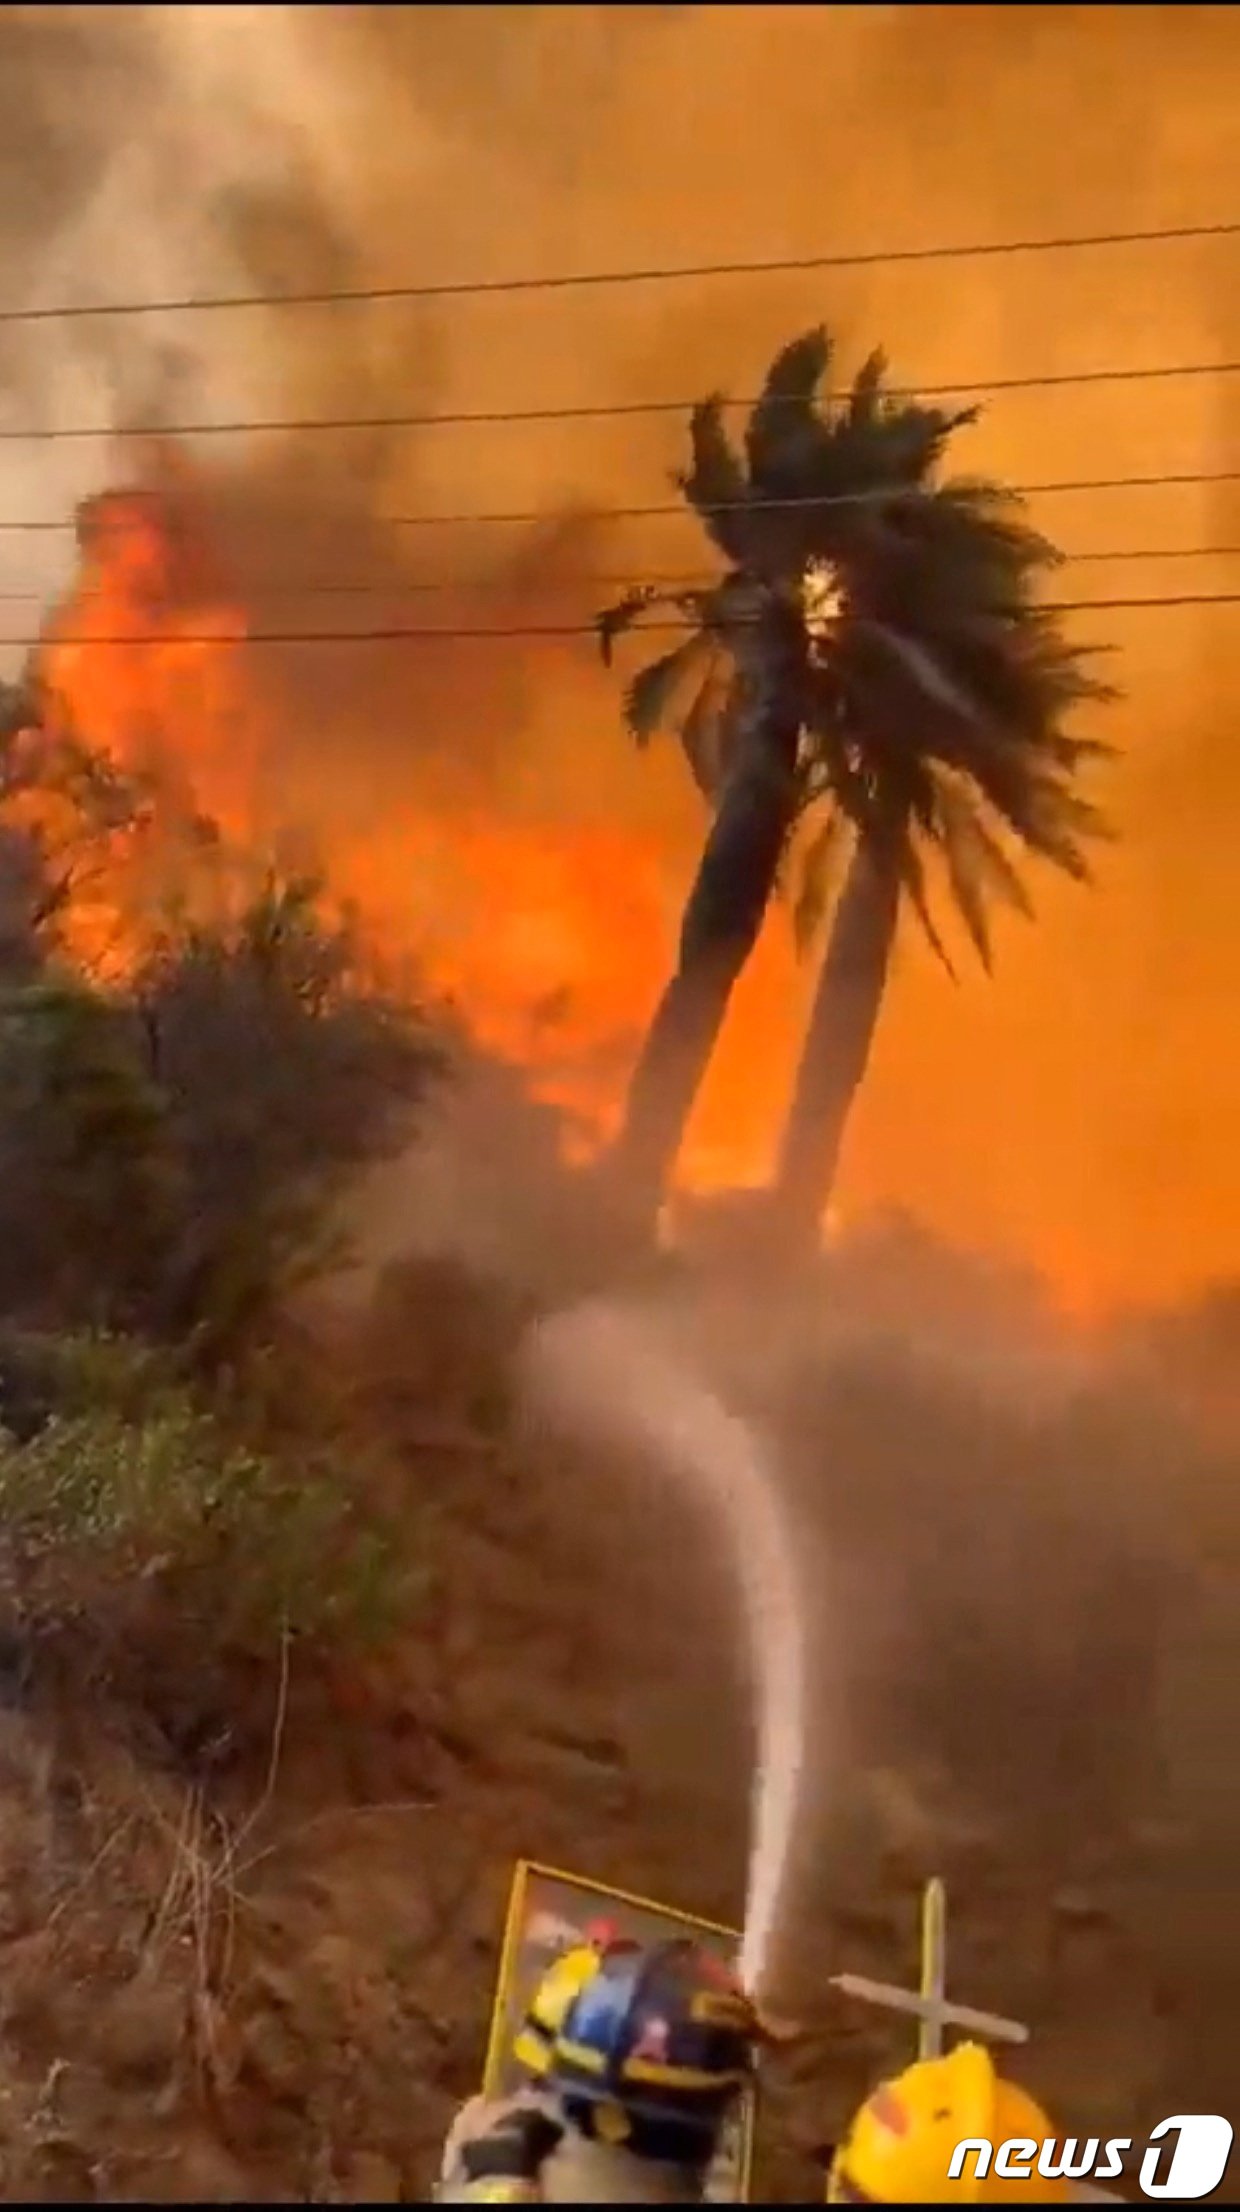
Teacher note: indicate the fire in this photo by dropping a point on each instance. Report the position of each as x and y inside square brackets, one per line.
[142, 661]
[141, 665]
[548, 941]
[553, 934]
[550, 937]
[554, 939]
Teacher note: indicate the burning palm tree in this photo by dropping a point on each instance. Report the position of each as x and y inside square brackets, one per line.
[872, 671]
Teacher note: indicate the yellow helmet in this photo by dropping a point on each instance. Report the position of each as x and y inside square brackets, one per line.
[899, 2147]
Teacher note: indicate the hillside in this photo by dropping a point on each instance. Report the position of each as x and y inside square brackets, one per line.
[307, 1629]
[250, 1910]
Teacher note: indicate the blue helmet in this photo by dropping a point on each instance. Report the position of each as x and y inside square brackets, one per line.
[645, 2047]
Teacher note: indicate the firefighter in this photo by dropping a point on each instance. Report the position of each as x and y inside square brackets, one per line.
[898, 2148]
[635, 2059]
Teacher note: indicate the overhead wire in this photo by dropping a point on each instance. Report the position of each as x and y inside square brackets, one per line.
[464, 632]
[600, 279]
[590, 411]
[666, 580]
[601, 411]
[529, 518]
[878, 497]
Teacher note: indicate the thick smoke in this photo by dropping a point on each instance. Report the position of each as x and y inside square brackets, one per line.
[1083, 1110]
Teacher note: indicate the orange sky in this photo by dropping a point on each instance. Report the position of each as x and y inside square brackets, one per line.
[1084, 1109]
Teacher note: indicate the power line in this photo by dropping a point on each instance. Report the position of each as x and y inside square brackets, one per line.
[833, 499]
[600, 279]
[591, 411]
[677, 579]
[532, 518]
[397, 633]
[665, 580]
[1158, 553]
[827, 499]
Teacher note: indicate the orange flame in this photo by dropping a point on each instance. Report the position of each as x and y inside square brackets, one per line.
[552, 935]
[140, 660]
[552, 938]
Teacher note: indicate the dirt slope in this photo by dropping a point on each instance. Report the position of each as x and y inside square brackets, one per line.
[253, 1960]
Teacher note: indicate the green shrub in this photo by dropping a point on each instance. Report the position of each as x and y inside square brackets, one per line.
[43, 1375]
[174, 1150]
[89, 1184]
[284, 1067]
[173, 1156]
[95, 1504]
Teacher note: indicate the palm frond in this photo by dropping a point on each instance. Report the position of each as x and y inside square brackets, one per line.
[785, 426]
[966, 873]
[1057, 823]
[1071, 753]
[867, 386]
[972, 847]
[715, 484]
[979, 507]
[949, 553]
[913, 878]
[919, 665]
[649, 698]
[914, 438]
[934, 711]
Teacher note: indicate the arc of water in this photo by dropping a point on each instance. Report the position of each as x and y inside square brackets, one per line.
[604, 1373]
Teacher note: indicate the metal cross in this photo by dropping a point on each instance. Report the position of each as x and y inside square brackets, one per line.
[929, 2006]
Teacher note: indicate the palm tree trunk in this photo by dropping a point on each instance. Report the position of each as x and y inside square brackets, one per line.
[731, 892]
[836, 1051]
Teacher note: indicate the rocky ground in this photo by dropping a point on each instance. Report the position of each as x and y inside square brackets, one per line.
[247, 1954]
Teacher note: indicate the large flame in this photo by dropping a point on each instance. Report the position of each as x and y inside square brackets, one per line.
[141, 659]
[141, 665]
[1080, 1113]
[549, 937]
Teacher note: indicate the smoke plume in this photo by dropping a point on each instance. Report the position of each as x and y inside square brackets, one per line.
[1082, 1111]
